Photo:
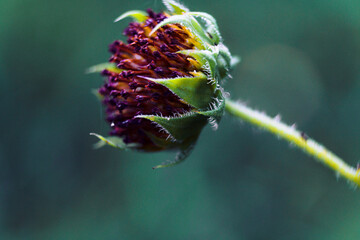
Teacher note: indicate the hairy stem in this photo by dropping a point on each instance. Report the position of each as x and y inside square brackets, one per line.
[293, 136]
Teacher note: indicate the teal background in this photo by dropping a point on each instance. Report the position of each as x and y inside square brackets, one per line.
[299, 58]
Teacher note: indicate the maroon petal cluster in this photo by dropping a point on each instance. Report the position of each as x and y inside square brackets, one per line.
[127, 92]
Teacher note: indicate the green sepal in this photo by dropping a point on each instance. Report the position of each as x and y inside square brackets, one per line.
[190, 23]
[211, 25]
[206, 58]
[115, 142]
[137, 15]
[183, 152]
[179, 127]
[196, 91]
[224, 51]
[175, 7]
[168, 143]
[216, 108]
[102, 66]
[225, 61]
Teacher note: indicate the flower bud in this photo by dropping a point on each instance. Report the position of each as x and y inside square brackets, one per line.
[163, 85]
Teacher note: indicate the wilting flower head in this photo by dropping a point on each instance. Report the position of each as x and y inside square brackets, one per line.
[163, 85]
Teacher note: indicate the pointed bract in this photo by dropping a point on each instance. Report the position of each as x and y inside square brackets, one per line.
[175, 7]
[211, 26]
[139, 16]
[180, 127]
[103, 66]
[184, 87]
[206, 58]
[182, 153]
[112, 141]
[190, 23]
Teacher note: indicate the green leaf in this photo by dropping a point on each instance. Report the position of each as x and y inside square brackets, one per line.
[196, 91]
[137, 15]
[102, 66]
[175, 7]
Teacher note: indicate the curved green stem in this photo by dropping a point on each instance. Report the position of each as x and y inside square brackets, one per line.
[290, 134]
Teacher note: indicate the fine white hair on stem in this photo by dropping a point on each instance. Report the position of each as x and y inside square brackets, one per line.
[294, 137]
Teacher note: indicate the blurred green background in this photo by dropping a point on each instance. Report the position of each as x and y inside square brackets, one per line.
[299, 58]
